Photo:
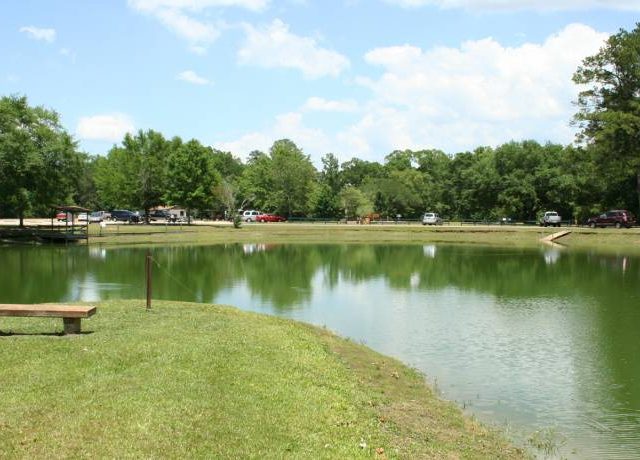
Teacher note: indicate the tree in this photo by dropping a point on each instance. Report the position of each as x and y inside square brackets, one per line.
[399, 160]
[226, 194]
[323, 199]
[292, 175]
[191, 177]
[434, 165]
[148, 150]
[354, 202]
[38, 159]
[85, 193]
[255, 182]
[356, 171]
[226, 164]
[330, 174]
[133, 175]
[474, 184]
[396, 194]
[609, 108]
[323, 202]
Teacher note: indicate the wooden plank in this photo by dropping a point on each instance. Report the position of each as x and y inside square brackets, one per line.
[555, 236]
[47, 310]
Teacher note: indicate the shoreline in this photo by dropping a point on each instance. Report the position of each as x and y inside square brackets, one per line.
[608, 240]
[294, 389]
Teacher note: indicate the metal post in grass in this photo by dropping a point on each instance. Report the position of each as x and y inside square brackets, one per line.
[148, 277]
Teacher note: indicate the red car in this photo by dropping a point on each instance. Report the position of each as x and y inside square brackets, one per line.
[270, 218]
[63, 216]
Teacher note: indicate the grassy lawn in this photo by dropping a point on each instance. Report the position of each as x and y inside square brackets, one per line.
[190, 380]
[608, 240]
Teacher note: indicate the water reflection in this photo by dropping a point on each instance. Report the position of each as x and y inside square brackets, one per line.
[538, 338]
[551, 256]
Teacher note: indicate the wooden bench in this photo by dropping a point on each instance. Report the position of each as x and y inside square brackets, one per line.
[71, 314]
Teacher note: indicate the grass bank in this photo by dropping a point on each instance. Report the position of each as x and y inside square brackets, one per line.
[190, 380]
[608, 240]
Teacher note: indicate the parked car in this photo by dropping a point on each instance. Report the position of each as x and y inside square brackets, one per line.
[250, 215]
[99, 216]
[616, 218]
[124, 215]
[83, 217]
[551, 218]
[431, 218]
[62, 216]
[159, 214]
[270, 218]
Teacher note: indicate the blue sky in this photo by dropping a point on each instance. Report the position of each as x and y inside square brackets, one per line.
[352, 77]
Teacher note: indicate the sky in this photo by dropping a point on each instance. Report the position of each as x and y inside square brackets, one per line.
[356, 78]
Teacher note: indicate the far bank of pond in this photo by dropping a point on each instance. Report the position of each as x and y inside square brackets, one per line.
[625, 241]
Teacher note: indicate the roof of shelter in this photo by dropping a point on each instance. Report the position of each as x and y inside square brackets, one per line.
[71, 209]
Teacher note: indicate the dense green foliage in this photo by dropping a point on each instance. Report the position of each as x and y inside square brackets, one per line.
[610, 105]
[40, 166]
[518, 179]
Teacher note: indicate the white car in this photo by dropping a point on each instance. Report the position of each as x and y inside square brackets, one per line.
[250, 215]
[431, 218]
[83, 217]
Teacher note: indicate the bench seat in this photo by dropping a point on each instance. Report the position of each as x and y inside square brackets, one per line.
[71, 314]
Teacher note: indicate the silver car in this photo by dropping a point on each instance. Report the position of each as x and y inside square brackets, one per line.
[431, 218]
[250, 215]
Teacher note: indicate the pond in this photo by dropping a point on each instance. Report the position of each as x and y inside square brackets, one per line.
[544, 342]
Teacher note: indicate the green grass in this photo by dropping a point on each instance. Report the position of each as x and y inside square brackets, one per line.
[608, 240]
[189, 380]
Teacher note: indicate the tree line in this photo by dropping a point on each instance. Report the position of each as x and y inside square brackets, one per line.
[41, 166]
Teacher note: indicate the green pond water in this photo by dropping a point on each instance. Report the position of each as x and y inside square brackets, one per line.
[542, 342]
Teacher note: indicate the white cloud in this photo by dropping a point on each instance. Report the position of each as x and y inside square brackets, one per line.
[322, 105]
[68, 53]
[199, 50]
[510, 5]
[275, 46]
[479, 93]
[286, 126]
[191, 77]
[454, 99]
[199, 33]
[108, 127]
[196, 32]
[35, 33]
[196, 5]
[179, 16]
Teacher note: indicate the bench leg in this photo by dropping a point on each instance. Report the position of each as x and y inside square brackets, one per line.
[71, 325]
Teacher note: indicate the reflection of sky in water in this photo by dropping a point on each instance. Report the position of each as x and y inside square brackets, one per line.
[526, 363]
[89, 290]
[551, 256]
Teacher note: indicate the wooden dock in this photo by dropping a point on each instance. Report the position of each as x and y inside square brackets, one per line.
[555, 236]
[45, 233]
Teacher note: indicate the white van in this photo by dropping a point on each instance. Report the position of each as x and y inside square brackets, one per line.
[250, 215]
